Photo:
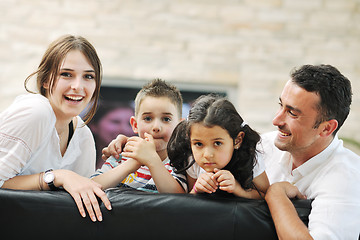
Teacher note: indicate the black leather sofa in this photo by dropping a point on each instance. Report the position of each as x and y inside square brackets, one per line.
[138, 215]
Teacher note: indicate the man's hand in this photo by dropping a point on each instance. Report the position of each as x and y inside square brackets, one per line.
[287, 189]
[115, 147]
[287, 222]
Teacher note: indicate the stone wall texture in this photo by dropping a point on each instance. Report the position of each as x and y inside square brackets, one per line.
[245, 45]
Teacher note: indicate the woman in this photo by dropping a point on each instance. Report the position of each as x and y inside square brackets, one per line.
[44, 144]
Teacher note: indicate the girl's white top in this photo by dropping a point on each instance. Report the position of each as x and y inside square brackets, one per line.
[195, 170]
[29, 142]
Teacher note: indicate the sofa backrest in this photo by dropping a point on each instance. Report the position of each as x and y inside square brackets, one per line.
[138, 215]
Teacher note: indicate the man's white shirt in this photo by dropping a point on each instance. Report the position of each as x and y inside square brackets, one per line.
[331, 179]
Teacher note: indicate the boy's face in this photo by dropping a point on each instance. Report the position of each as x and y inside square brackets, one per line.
[156, 116]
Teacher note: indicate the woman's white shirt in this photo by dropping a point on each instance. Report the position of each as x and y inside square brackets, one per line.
[29, 142]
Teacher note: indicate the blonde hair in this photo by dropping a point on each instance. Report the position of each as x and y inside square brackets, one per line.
[48, 69]
[159, 88]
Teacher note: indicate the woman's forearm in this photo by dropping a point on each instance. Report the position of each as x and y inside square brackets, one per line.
[26, 182]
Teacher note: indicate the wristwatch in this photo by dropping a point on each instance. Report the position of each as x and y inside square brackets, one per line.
[49, 178]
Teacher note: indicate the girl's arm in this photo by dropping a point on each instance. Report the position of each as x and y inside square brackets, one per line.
[116, 175]
[191, 183]
[250, 193]
[228, 183]
[261, 182]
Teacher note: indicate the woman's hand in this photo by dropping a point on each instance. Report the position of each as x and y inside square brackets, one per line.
[84, 192]
[225, 180]
[115, 147]
[205, 183]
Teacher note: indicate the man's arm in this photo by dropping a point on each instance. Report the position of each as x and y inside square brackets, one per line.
[287, 222]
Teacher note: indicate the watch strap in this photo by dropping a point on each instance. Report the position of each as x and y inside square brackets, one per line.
[51, 184]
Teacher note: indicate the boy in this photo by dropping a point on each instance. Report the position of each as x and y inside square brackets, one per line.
[144, 164]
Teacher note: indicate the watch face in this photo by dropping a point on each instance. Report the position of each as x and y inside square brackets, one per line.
[49, 177]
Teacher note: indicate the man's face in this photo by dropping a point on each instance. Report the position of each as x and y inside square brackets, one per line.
[296, 119]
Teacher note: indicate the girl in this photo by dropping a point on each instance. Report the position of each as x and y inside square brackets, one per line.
[217, 150]
[44, 144]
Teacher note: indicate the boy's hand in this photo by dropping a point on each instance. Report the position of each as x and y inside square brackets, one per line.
[206, 183]
[142, 150]
[115, 147]
[225, 179]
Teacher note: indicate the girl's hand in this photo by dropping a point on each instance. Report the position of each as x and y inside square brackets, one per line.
[206, 183]
[84, 191]
[225, 179]
[142, 150]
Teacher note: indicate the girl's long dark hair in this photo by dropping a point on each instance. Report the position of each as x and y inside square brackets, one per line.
[212, 110]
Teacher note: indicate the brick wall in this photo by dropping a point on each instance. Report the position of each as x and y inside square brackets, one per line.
[245, 44]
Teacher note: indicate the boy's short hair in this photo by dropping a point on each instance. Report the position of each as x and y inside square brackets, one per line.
[159, 88]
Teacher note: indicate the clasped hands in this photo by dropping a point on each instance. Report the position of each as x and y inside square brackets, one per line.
[140, 150]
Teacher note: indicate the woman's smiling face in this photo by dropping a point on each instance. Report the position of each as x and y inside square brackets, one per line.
[74, 86]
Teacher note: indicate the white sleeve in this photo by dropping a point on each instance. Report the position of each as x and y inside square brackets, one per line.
[194, 171]
[336, 208]
[23, 126]
[259, 167]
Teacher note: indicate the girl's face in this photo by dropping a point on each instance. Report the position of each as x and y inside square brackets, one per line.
[212, 147]
[74, 86]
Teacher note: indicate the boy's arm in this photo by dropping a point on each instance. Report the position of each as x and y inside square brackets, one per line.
[144, 152]
[165, 183]
[116, 175]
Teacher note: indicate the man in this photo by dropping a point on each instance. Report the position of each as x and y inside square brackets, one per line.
[305, 158]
